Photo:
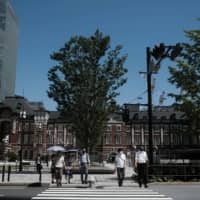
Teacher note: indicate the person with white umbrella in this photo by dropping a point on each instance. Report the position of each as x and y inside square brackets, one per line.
[59, 166]
[56, 148]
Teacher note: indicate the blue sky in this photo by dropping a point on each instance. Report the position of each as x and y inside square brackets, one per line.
[45, 25]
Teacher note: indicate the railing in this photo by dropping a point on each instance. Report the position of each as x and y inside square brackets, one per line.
[183, 172]
[8, 168]
[5, 169]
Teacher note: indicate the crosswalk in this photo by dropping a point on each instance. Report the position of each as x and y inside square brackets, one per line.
[53, 193]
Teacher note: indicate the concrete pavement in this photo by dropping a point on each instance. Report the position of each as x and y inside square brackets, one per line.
[101, 180]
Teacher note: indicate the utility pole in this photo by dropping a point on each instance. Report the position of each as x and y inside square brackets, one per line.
[149, 73]
[159, 52]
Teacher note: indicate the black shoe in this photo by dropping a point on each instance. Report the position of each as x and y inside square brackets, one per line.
[140, 185]
[146, 186]
[120, 184]
[59, 184]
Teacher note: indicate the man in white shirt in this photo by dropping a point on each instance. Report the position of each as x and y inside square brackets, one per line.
[141, 160]
[120, 163]
[84, 162]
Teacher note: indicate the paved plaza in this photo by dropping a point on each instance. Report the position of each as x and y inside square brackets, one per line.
[104, 188]
[32, 177]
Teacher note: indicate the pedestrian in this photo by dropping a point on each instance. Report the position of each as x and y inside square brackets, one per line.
[129, 159]
[53, 168]
[47, 160]
[59, 167]
[68, 172]
[38, 162]
[120, 163]
[141, 160]
[68, 168]
[84, 163]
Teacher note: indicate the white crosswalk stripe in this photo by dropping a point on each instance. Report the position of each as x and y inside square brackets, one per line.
[99, 194]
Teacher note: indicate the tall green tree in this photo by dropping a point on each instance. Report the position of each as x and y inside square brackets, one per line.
[186, 77]
[84, 83]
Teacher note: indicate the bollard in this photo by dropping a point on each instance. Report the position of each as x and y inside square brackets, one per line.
[16, 166]
[91, 181]
[3, 173]
[9, 171]
[40, 176]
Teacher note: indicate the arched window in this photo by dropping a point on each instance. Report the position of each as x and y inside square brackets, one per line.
[154, 117]
[163, 118]
[135, 116]
[144, 117]
[173, 116]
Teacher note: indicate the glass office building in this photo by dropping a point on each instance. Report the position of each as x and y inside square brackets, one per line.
[8, 49]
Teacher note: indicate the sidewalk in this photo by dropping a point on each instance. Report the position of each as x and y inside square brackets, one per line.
[100, 179]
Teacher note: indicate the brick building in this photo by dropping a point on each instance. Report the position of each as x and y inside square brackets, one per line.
[40, 129]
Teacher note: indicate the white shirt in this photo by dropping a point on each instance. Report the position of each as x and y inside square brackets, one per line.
[141, 157]
[85, 158]
[60, 163]
[120, 160]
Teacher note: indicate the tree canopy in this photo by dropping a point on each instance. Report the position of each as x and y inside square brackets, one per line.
[186, 77]
[84, 83]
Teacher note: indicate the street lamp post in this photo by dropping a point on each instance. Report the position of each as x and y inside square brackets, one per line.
[149, 73]
[41, 119]
[22, 116]
[159, 52]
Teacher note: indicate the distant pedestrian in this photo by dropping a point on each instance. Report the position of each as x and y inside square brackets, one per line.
[59, 167]
[68, 168]
[68, 173]
[53, 168]
[120, 163]
[141, 160]
[47, 160]
[129, 158]
[84, 163]
[38, 162]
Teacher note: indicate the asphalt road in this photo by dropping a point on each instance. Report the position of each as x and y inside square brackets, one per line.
[19, 192]
[180, 191]
[176, 191]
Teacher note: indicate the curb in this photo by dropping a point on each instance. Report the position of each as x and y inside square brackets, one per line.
[15, 198]
[34, 184]
[174, 183]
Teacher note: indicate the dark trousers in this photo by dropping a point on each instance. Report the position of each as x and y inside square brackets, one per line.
[58, 175]
[84, 172]
[142, 173]
[120, 176]
[38, 167]
[68, 175]
[53, 174]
